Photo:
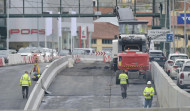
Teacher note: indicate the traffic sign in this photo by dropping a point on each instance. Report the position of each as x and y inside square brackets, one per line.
[169, 38]
[158, 34]
[181, 18]
[100, 53]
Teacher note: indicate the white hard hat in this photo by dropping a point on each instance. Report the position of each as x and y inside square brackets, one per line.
[149, 82]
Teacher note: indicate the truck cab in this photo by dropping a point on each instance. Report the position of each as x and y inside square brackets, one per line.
[132, 34]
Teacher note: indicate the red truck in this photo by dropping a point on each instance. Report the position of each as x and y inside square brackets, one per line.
[132, 36]
[132, 60]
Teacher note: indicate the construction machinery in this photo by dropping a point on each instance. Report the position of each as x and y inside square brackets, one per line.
[130, 47]
[35, 70]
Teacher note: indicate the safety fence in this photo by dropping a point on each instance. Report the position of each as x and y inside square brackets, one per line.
[45, 80]
[169, 94]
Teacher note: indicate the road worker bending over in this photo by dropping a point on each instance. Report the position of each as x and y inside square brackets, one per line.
[148, 93]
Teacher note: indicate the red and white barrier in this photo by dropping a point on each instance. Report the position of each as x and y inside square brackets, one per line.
[14, 59]
[76, 58]
[107, 58]
[28, 59]
[2, 62]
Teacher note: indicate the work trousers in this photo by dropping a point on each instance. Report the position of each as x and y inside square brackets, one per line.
[23, 90]
[123, 88]
[148, 103]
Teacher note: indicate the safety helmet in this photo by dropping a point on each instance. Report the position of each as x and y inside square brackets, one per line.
[149, 82]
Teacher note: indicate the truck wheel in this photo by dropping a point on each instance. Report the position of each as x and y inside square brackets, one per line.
[148, 76]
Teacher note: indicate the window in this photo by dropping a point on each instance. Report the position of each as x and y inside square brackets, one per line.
[105, 4]
[93, 41]
[178, 57]
[65, 41]
[94, 3]
[2, 6]
[187, 68]
[106, 41]
[124, 1]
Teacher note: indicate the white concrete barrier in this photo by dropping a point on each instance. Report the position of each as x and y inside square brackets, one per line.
[41, 59]
[14, 59]
[169, 94]
[45, 80]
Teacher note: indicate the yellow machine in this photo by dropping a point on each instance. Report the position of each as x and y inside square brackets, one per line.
[35, 70]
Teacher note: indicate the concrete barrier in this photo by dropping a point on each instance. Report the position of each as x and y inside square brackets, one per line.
[44, 81]
[18, 59]
[15, 59]
[169, 94]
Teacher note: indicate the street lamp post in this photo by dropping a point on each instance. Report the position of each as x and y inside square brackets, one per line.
[7, 25]
[185, 18]
[173, 27]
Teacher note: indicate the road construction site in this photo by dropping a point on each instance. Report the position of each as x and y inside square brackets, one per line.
[91, 85]
[87, 85]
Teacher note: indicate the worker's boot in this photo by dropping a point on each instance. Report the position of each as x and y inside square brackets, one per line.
[125, 95]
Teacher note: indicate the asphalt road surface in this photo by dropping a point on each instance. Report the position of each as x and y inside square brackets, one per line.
[87, 86]
[10, 89]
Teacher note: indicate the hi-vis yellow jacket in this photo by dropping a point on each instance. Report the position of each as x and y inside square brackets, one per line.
[150, 91]
[123, 78]
[25, 80]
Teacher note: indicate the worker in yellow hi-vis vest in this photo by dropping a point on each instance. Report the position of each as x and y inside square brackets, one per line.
[25, 82]
[123, 83]
[148, 93]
